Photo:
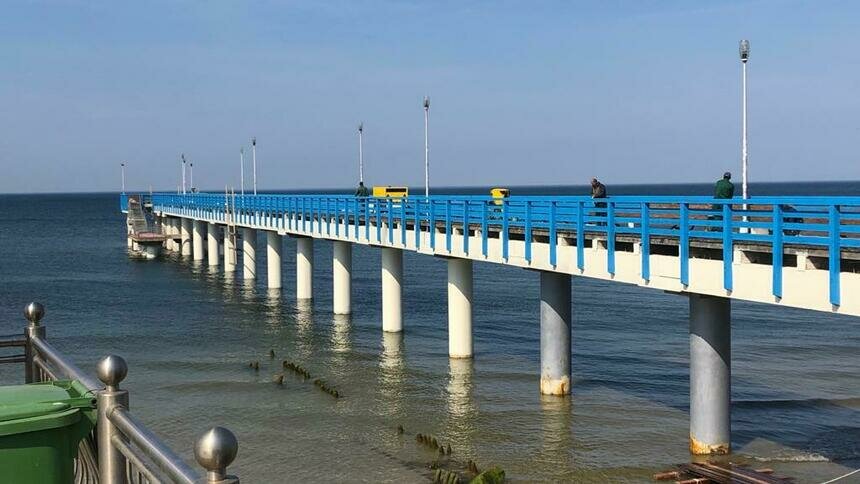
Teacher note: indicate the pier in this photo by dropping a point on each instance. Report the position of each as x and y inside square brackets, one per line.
[801, 252]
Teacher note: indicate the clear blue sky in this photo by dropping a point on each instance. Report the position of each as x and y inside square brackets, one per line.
[522, 92]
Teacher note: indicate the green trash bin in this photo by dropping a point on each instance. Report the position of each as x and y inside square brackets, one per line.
[41, 425]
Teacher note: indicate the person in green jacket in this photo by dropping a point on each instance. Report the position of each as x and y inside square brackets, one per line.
[362, 190]
[723, 189]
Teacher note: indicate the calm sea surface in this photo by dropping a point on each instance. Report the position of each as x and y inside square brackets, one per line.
[188, 334]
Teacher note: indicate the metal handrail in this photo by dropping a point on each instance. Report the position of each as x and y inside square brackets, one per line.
[120, 446]
[68, 369]
[829, 224]
[151, 446]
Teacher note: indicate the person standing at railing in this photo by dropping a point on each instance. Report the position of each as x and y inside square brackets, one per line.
[598, 190]
[362, 190]
[723, 189]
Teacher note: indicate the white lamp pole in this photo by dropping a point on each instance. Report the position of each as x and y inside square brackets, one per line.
[183, 173]
[191, 176]
[426, 147]
[254, 161]
[242, 169]
[745, 54]
[122, 165]
[360, 153]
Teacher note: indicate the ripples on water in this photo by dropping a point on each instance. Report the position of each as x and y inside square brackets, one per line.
[188, 334]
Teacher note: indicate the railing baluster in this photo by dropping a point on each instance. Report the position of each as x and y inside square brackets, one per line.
[448, 225]
[777, 250]
[485, 206]
[610, 237]
[417, 223]
[527, 237]
[684, 244]
[403, 203]
[553, 237]
[645, 240]
[432, 227]
[834, 254]
[728, 248]
[389, 207]
[505, 229]
[580, 235]
[466, 227]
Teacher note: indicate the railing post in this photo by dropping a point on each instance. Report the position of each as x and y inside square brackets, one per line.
[111, 371]
[34, 312]
[214, 451]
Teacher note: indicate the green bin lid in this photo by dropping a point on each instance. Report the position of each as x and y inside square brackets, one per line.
[33, 406]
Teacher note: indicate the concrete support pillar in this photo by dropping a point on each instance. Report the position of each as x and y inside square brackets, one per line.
[710, 374]
[304, 268]
[212, 249]
[459, 308]
[555, 332]
[342, 277]
[273, 259]
[185, 235]
[249, 251]
[167, 229]
[199, 232]
[172, 230]
[229, 251]
[392, 290]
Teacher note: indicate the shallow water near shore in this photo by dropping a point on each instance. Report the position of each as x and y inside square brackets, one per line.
[188, 334]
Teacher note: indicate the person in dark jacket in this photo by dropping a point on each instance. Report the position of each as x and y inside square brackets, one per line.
[723, 189]
[362, 190]
[598, 190]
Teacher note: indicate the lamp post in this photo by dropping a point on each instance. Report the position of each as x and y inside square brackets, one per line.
[191, 176]
[360, 153]
[122, 168]
[254, 161]
[183, 173]
[744, 50]
[426, 147]
[242, 169]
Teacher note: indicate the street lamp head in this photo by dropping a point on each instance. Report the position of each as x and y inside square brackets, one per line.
[183, 157]
[426, 102]
[254, 141]
[361, 127]
[744, 50]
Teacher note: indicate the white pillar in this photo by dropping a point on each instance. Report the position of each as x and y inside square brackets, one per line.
[459, 308]
[229, 252]
[342, 275]
[186, 236]
[273, 259]
[249, 253]
[304, 268]
[392, 290]
[212, 244]
[167, 229]
[199, 229]
[710, 374]
[555, 332]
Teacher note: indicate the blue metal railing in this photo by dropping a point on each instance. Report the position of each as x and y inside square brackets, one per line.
[830, 224]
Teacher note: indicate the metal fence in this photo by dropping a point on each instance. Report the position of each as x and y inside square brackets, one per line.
[120, 449]
[829, 224]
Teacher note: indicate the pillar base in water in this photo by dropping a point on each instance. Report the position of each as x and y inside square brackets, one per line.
[710, 375]
[555, 333]
[459, 308]
[304, 268]
[342, 275]
[392, 284]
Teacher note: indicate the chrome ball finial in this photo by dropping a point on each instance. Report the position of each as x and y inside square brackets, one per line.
[111, 370]
[215, 450]
[34, 312]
